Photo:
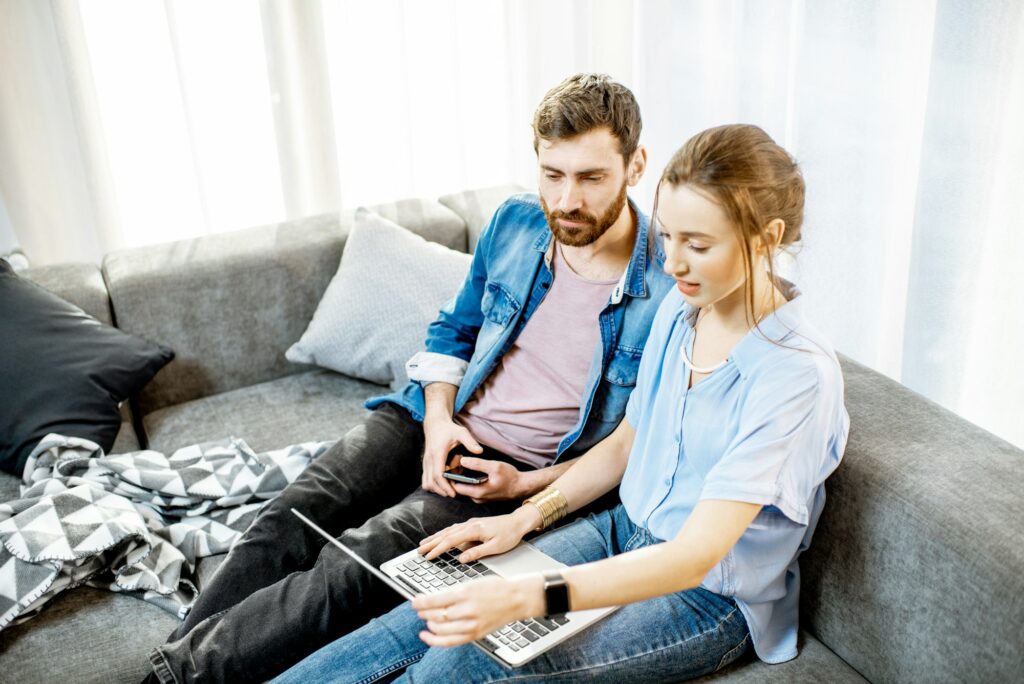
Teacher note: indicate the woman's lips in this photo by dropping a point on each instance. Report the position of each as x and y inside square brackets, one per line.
[687, 288]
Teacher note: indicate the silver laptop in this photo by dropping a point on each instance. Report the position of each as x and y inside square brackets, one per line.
[512, 645]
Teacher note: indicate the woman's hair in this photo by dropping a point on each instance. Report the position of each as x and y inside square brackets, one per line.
[752, 178]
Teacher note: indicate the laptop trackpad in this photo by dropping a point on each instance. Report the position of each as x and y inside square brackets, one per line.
[521, 560]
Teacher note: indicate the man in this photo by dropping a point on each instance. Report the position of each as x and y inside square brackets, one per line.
[527, 367]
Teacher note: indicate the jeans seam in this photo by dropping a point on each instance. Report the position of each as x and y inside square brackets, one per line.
[393, 667]
[629, 542]
[213, 615]
[595, 666]
[158, 664]
[729, 657]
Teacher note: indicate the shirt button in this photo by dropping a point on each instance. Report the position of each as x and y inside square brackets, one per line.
[668, 481]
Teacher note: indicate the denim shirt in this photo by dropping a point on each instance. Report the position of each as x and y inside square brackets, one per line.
[507, 280]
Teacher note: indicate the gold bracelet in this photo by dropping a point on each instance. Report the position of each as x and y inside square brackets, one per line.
[551, 504]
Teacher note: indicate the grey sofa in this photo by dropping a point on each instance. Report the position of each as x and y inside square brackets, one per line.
[916, 572]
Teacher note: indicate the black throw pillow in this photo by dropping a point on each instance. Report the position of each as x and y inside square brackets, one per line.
[62, 371]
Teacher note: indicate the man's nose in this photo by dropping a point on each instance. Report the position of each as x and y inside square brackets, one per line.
[571, 198]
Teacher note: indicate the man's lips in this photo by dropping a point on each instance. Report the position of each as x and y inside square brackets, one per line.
[573, 224]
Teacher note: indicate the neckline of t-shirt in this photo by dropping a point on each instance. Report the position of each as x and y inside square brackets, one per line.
[561, 257]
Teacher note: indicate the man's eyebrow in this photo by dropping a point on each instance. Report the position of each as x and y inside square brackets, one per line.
[687, 233]
[584, 172]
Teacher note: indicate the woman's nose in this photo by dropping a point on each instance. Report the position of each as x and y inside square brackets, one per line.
[675, 265]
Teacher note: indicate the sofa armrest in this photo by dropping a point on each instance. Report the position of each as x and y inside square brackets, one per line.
[230, 304]
[80, 284]
[914, 573]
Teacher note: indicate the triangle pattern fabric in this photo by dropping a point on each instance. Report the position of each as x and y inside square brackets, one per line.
[134, 522]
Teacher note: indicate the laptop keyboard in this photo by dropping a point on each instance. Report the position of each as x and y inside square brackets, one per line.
[446, 570]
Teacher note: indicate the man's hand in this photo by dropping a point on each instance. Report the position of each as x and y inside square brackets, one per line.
[504, 481]
[441, 435]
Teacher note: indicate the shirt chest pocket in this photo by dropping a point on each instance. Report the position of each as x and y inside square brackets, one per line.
[623, 366]
[618, 381]
[498, 305]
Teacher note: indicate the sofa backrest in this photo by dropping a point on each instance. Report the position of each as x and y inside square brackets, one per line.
[477, 206]
[916, 570]
[230, 304]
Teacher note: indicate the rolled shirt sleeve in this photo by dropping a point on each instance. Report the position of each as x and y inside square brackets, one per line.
[426, 367]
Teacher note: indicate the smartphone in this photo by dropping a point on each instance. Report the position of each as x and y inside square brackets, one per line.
[457, 473]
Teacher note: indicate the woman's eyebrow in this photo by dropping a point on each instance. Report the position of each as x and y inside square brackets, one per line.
[688, 233]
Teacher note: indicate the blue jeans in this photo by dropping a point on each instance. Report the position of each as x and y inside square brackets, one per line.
[669, 638]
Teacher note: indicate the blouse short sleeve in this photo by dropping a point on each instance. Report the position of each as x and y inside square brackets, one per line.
[784, 448]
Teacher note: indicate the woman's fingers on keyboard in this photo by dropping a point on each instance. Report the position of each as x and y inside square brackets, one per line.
[459, 535]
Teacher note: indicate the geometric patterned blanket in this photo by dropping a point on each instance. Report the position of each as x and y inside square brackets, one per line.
[135, 522]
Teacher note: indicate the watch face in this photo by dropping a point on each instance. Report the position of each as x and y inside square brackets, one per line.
[556, 594]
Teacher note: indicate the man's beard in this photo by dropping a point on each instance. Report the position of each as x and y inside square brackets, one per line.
[586, 234]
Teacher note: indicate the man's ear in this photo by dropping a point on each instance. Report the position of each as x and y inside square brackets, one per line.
[636, 166]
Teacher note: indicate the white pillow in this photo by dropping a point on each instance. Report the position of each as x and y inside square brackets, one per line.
[374, 315]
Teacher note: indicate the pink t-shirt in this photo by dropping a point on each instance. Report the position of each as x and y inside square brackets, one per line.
[532, 399]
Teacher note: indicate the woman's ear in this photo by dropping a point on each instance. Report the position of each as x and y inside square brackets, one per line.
[771, 238]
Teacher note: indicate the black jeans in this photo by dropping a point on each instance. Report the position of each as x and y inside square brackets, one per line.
[283, 592]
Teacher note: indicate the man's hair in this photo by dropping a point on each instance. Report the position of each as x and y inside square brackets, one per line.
[584, 102]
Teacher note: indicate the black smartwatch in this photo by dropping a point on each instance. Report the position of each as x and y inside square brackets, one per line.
[556, 594]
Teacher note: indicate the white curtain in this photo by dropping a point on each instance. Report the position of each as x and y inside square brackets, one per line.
[123, 123]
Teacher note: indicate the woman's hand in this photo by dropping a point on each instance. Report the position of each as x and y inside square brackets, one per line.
[495, 535]
[474, 609]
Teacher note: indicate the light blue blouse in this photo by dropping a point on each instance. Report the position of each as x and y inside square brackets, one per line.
[767, 428]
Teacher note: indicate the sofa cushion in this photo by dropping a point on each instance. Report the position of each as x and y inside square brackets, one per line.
[477, 206]
[914, 573]
[374, 315]
[87, 636]
[815, 664]
[230, 304]
[312, 406]
[62, 370]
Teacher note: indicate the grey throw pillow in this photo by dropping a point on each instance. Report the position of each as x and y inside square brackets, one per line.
[374, 315]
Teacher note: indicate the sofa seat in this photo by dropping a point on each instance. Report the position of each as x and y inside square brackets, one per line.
[312, 406]
[97, 635]
[815, 664]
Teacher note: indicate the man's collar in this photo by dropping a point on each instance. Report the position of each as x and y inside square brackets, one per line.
[634, 279]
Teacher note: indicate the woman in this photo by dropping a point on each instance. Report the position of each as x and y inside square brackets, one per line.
[736, 420]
